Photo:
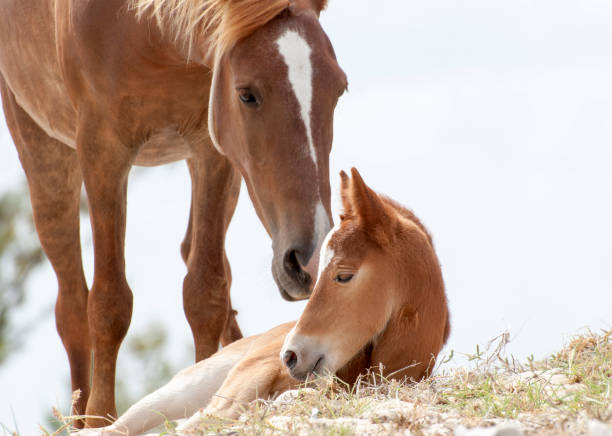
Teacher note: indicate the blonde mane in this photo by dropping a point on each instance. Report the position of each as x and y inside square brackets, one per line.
[221, 23]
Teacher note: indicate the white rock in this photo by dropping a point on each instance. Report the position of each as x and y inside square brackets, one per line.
[552, 382]
[289, 397]
[598, 428]
[357, 426]
[559, 379]
[505, 429]
[390, 409]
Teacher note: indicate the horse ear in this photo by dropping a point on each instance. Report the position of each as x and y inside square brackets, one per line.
[316, 5]
[345, 185]
[366, 203]
[320, 4]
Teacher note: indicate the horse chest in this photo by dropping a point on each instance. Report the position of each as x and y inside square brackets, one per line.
[163, 146]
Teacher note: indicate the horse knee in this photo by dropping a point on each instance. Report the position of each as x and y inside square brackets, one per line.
[207, 305]
[206, 292]
[109, 311]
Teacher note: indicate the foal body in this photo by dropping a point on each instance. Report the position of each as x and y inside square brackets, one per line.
[379, 301]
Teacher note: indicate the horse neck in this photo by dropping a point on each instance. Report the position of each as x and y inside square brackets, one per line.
[356, 366]
[418, 326]
[169, 49]
[414, 333]
[409, 345]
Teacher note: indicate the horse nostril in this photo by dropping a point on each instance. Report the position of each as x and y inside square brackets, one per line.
[290, 359]
[294, 269]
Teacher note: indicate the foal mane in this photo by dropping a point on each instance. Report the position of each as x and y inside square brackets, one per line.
[222, 23]
[407, 214]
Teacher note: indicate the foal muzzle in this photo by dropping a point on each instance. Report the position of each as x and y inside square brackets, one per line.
[303, 356]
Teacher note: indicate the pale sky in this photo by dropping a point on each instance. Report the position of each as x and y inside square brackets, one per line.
[491, 120]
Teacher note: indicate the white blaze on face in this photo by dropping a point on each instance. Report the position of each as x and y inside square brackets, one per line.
[327, 254]
[321, 222]
[296, 53]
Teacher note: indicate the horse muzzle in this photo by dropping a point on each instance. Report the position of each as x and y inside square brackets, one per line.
[303, 356]
[294, 272]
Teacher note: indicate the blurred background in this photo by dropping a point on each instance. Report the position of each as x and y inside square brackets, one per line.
[491, 120]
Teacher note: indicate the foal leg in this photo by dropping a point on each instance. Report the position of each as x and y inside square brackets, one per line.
[215, 189]
[259, 374]
[105, 164]
[188, 391]
[54, 179]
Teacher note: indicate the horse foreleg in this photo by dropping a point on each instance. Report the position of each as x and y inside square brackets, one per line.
[258, 375]
[54, 179]
[231, 332]
[105, 165]
[206, 300]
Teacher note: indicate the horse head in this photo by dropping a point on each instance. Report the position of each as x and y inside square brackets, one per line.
[271, 109]
[379, 297]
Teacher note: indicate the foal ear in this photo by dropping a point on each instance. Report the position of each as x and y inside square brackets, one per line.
[366, 203]
[345, 195]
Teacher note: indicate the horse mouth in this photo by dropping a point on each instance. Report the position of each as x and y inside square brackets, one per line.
[289, 290]
[317, 366]
[286, 295]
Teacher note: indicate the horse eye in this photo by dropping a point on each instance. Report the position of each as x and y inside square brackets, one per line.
[247, 97]
[343, 277]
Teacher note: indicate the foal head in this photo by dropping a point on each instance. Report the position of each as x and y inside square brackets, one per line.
[272, 103]
[379, 297]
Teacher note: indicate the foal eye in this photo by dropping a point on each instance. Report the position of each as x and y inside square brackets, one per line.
[343, 277]
[247, 97]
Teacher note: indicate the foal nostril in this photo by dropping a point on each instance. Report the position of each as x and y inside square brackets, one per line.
[290, 359]
[294, 268]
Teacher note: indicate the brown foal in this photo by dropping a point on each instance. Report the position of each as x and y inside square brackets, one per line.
[379, 301]
[237, 88]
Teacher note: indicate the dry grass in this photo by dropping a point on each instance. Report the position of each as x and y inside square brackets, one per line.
[558, 395]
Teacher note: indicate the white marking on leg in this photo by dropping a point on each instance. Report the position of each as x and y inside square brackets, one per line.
[296, 53]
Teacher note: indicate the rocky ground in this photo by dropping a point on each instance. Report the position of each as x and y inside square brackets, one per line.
[568, 393]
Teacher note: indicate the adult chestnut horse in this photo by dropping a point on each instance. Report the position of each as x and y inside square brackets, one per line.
[379, 299]
[236, 87]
